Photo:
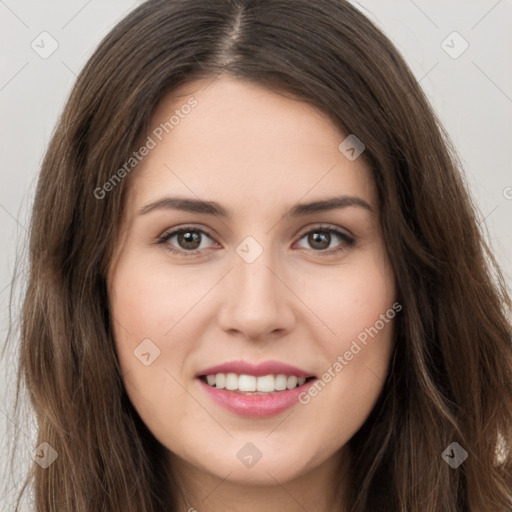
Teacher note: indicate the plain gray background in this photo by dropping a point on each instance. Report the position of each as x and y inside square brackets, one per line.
[469, 88]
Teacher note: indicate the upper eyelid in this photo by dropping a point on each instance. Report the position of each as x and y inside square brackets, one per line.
[173, 231]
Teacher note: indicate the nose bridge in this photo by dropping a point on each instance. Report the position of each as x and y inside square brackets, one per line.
[256, 285]
[255, 281]
[258, 302]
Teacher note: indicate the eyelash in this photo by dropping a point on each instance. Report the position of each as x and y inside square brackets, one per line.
[347, 241]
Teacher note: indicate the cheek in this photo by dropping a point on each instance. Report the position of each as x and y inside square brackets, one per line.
[148, 300]
[359, 308]
[149, 307]
[352, 301]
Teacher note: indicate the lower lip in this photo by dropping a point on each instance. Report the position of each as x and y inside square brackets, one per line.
[256, 406]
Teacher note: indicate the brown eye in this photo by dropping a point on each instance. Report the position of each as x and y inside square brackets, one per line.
[189, 239]
[320, 239]
[186, 241]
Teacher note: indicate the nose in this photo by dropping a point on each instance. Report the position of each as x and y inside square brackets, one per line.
[258, 300]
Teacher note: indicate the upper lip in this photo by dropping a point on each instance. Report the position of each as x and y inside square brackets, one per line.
[256, 369]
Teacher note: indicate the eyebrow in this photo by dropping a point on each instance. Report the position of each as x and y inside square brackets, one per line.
[192, 205]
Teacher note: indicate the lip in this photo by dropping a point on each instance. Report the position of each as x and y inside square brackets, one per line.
[271, 367]
[255, 406]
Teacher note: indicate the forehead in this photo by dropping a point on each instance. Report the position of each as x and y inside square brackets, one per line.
[232, 139]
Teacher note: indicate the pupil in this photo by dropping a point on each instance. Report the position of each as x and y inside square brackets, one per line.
[319, 240]
[189, 239]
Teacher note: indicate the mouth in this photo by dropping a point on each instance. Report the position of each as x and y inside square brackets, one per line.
[246, 384]
[255, 391]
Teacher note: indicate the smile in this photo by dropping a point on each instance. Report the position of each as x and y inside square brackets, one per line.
[254, 390]
[252, 384]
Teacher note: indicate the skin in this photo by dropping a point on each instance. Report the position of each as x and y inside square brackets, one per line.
[257, 153]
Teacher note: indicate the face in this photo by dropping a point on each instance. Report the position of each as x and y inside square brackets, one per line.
[221, 301]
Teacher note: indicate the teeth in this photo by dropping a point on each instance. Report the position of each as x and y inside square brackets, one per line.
[291, 382]
[250, 383]
[266, 384]
[219, 381]
[280, 382]
[247, 383]
[231, 381]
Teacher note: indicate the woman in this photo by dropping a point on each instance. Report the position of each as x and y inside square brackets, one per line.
[257, 280]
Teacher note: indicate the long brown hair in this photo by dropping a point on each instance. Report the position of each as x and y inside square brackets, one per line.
[450, 378]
